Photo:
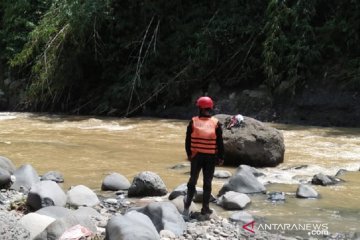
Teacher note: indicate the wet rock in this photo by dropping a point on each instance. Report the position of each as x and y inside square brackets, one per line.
[247, 168]
[276, 196]
[115, 182]
[53, 176]
[147, 184]
[58, 227]
[10, 229]
[243, 182]
[7, 164]
[306, 191]
[54, 212]
[180, 166]
[35, 223]
[164, 216]
[222, 174]
[132, 225]
[241, 216]
[234, 200]
[341, 172]
[82, 196]
[5, 178]
[324, 180]
[254, 143]
[25, 176]
[44, 194]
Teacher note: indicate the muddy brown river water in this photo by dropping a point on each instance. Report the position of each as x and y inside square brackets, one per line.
[86, 149]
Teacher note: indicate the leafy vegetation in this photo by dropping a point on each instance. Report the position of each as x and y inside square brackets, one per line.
[118, 57]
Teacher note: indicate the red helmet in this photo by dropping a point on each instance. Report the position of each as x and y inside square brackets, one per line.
[205, 102]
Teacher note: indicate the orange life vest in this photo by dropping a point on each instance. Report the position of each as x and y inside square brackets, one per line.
[203, 136]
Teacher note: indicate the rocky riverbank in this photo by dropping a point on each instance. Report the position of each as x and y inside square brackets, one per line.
[34, 207]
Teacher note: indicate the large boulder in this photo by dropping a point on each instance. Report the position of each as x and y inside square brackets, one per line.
[54, 212]
[82, 196]
[243, 182]
[58, 227]
[35, 223]
[5, 178]
[53, 176]
[25, 177]
[115, 182]
[147, 184]
[11, 229]
[7, 164]
[234, 200]
[179, 204]
[324, 180]
[164, 216]
[44, 194]
[132, 225]
[253, 143]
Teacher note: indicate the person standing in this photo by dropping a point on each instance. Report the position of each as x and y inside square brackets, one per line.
[204, 148]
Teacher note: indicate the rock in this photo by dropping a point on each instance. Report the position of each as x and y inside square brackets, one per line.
[147, 184]
[276, 196]
[132, 225]
[25, 176]
[7, 164]
[341, 172]
[241, 216]
[36, 223]
[306, 191]
[167, 234]
[5, 178]
[54, 212]
[115, 182]
[164, 216]
[181, 166]
[87, 211]
[44, 194]
[234, 200]
[247, 168]
[198, 196]
[82, 196]
[10, 229]
[58, 227]
[53, 176]
[253, 143]
[243, 182]
[179, 204]
[324, 180]
[222, 174]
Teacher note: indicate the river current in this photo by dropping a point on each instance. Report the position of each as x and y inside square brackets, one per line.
[86, 149]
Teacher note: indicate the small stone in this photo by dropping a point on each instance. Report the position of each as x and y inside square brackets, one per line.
[216, 231]
[111, 201]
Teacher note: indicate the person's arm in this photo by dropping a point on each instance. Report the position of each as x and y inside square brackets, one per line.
[188, 140]
[220, 144]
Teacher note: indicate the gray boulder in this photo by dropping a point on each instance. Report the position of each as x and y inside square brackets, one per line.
[241, 216]
[115, 182]
[87, 211]
[324, 180]
[222, 174]
[247, 168]
[243, 182]
[58, 227]
[147, 184]
[179, 204]
[7, 164]
[35, 223]
[253, 143]
[54, 212]
[82, 196]
[132, 225]
[306, 191]
[44, 194]
[25, 176]
[53, 176]
[164, 215]
[233, 200]
[11, 229]
[5, 178]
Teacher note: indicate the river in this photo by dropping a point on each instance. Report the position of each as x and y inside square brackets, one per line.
[86, 149]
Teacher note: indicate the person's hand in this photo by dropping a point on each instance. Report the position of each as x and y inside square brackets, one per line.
[220, 161]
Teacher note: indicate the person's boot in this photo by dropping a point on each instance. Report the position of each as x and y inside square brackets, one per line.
[205, 210]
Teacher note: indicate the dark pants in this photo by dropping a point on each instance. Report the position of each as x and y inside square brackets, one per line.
[207, 163]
